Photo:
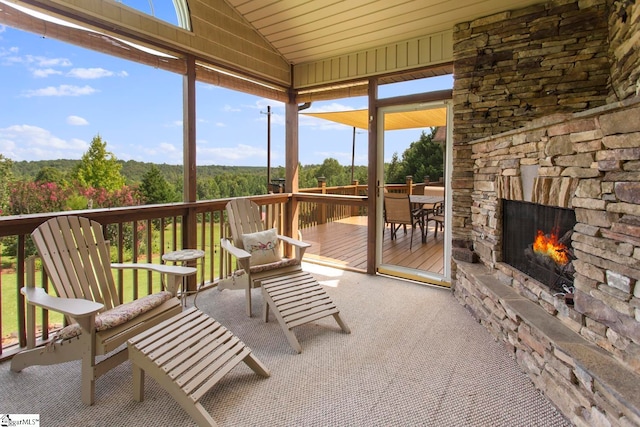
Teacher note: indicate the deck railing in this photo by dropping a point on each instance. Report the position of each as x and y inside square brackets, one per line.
[136, 234]
[145, 233]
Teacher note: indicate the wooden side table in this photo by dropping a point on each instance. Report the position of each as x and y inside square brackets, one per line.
[184, 256]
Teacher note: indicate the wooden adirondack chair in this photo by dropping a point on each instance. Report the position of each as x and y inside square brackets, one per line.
[256, 249]
[76, 258]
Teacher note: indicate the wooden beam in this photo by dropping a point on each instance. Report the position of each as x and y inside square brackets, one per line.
[190, 221]
[291, 165]
[189, 130]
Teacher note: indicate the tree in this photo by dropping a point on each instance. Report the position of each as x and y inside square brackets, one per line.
[334, 173]
[394, 171]
[423, 158]
[50, 174]
[6, 176]
[155, 188]
[99, 168]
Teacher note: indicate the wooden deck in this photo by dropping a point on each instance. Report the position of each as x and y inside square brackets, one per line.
[343, 244]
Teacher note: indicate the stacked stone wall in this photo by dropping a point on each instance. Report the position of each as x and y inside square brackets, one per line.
[546, 109]
[624, 50]
[586, 384]
[590, 162]
[516, 66]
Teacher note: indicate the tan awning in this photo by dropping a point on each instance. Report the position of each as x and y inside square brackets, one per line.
[392, 121]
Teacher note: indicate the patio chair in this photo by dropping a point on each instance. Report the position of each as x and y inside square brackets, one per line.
[398, 212]
[76, 258]
[256, 249]
[437, 215]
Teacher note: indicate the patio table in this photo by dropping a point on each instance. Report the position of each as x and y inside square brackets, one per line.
[184, 256]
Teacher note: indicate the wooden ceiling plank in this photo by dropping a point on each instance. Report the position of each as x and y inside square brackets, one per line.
[301, 14]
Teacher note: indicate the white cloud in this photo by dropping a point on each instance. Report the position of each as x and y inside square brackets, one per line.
[218, 155]
[3, 28]
[62, 90]
[341, 156]
[44, 72]
[26, 142]
[89, 73]
[161, 153]
[165, 147]
[40, 66]
[174, 124]
[229, 109]
[43, 61]
[221, 125]
[263, 103]
[77, 121]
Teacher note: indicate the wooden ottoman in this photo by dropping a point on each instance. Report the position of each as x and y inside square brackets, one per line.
[187, 355]
[297, 298]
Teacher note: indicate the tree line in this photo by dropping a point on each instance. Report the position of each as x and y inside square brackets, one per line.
[99, 179]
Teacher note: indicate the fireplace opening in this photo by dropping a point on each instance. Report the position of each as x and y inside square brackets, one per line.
[536, 239]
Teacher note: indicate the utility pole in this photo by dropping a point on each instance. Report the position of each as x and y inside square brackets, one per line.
[268, 113]
[268, 146]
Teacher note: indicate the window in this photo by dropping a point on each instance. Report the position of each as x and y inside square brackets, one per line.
[175, 12]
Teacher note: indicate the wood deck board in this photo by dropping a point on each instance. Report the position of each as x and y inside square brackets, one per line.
[344, 243]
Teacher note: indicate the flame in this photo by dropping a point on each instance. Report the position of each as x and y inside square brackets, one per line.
[549, 246]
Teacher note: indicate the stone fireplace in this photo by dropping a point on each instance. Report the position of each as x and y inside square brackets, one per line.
[547, 113]
[584, 354]
[536, 240]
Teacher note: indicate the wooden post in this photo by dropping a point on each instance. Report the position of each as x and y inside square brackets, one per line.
[291, 167]
[322, 207]
[355, 209]
[189, 192]
[409, 181]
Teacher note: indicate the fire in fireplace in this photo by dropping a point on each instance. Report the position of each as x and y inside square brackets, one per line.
[536, 239]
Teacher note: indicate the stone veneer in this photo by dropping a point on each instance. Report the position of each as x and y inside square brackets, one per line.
[544, 110]
[588, 161]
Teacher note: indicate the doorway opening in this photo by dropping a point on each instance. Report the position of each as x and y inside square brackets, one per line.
[421, 174]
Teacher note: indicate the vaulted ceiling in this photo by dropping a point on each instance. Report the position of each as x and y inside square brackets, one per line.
[314, 30]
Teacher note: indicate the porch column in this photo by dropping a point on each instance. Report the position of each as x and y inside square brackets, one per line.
[189, 225]
[373, 180]
[291, 165]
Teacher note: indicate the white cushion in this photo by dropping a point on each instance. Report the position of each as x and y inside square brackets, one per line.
[263, 246]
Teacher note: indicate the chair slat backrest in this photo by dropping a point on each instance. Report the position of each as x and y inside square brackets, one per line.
[397, 208]
[244, 217]
[76, 257]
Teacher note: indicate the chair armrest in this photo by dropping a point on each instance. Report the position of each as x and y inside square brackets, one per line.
[73, 307]
[236, 252]
[294, 242]
[175, 273]
[173, 270]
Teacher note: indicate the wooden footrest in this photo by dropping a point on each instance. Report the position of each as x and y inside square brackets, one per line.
[187, 355]
[295, 299]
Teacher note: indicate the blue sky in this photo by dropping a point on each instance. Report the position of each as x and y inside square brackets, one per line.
[55, 97]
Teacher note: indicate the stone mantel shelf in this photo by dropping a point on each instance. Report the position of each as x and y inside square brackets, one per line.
[607, 373]
[554, 119]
